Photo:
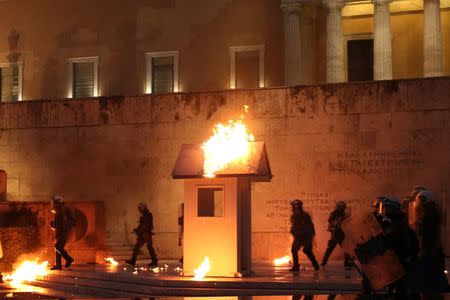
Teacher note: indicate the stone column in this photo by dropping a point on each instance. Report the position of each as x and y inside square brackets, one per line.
[292, 41]
[335, 47]
[432, 64]
[382, 40]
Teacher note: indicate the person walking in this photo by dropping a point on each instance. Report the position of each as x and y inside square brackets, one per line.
[337, 235]
[302, 229]
[62, 224]
[144, 235]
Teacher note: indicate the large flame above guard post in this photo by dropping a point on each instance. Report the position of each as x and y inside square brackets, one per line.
[229, 144]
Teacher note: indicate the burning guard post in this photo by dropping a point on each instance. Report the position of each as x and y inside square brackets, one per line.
[217, 211]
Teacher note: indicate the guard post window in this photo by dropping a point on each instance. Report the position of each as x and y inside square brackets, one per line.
[162, 72]
[210, 202]
[83, 77]
[11, 82]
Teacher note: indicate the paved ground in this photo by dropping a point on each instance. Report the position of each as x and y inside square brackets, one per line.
[103, 281]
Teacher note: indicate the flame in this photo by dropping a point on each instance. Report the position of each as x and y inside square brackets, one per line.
[281, 261]
[203, 269]
[27, 271]
[112, 261]
[228, 144]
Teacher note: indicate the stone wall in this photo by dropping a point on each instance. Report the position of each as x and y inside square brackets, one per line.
[325, 143]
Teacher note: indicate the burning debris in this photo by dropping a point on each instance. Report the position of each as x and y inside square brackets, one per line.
[203, 269]
[27, 271]
[111, 261]
[178, 269]
[228, 144]
[282, 261]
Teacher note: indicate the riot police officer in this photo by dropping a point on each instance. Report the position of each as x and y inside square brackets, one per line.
[302, 229]
[337, 235]
[144, 235]
[63, 221]
[409, 205]
[429, 275]
[399, 237]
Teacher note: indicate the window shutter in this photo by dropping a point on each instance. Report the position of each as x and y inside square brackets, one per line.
[83, 79]
[162, 74]
[247, 69]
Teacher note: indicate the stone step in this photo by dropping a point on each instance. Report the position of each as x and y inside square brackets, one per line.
[192, 288]
[62, 290]
[170, 283]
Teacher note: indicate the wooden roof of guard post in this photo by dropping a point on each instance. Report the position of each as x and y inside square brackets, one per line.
[189, 164]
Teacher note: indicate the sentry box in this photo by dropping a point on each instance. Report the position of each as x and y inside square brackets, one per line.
[217, 211]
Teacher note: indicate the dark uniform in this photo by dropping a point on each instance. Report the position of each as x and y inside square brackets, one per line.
[399, 237]
[62, 224]
[302, 229]
[144, 236]
[337, 235]
[429, 274]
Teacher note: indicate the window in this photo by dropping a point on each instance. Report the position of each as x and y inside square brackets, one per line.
[247, 67]
[11, 82]
[360, 59]
[83, 77]
[162, 72]
[210, 202]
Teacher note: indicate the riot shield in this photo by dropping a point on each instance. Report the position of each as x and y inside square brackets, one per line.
[381, 266]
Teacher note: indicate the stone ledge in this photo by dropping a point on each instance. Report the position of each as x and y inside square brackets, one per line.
[330, 99]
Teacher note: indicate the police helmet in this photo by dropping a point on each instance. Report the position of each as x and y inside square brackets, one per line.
[417, 189]
[391, 201]
[58, 200]
[407, 199]
[425, 196]
[296, 203]
[142, 206]
[341, 204]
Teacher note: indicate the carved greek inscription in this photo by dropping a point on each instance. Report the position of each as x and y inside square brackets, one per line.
[375, 162]
[278, 211]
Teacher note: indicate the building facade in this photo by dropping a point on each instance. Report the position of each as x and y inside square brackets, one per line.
[342, 141]
[76, 49]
